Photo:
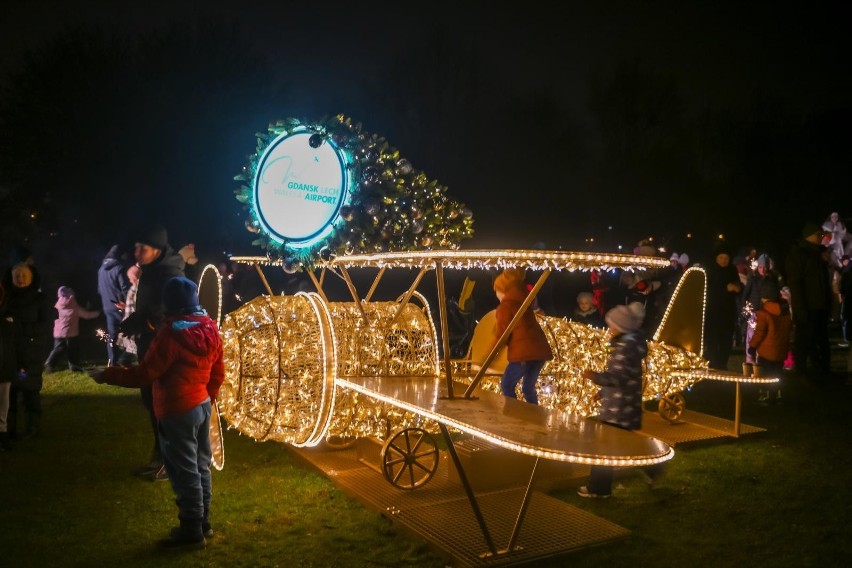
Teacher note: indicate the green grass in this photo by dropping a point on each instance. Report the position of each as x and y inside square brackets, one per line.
[778, 498]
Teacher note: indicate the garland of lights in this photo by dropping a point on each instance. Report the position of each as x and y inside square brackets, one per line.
[389, 205]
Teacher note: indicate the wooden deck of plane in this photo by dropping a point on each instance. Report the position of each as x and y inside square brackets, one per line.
[515, 425]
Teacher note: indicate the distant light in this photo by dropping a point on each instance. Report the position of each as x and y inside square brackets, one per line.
[689, 235]
[610, 227]
[721, 237]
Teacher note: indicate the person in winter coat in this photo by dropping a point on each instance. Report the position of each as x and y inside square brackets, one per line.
[771, 338]
[66, 331]
[720, 324]
[621, 388]
[24, 329]
[159, 263]
[810, 302]
[128, 342]
[112, 288]
[763, 274]
[527, 347]
[586, 312]
[184, 366]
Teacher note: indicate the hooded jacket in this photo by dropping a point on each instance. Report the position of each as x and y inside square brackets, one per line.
[772, 331]
[527, 341]
[184, 364]
[621, 382]
[70, 312]
[113, 283]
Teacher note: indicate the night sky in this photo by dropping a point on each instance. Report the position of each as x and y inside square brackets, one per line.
[611, 121]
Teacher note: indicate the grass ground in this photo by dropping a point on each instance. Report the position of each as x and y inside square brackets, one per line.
[779, 498]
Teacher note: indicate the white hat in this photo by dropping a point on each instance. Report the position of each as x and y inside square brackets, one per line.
[627, 318]
[683, 259]
[675, 257]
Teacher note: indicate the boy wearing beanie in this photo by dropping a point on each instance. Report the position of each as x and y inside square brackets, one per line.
[527, 347]
[771, 339]
[185, 369]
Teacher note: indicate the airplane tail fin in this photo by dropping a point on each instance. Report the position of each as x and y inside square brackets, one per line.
[683, 323]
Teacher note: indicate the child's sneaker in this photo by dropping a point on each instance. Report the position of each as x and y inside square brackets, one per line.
[583, 491]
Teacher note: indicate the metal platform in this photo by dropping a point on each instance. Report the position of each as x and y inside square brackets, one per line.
[440, 513]
[692, 427]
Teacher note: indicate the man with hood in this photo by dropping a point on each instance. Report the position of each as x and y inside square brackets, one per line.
[112, 287]
[159, 263]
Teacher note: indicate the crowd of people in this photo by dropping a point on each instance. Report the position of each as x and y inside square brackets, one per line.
[160, 340]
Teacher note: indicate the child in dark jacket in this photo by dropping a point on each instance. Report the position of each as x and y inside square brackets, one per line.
[771, 338]
[587, 312]
[621, 388]
[66, 331]
[185, 367]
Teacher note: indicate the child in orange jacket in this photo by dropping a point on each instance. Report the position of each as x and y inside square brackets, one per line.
[771, 339]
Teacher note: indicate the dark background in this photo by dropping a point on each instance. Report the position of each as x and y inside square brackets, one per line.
[573, 126]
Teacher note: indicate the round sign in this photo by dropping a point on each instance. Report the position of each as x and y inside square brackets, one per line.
[299, 188]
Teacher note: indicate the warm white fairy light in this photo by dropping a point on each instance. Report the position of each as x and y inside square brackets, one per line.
[217, 281]
[288, 358]
[484, 259]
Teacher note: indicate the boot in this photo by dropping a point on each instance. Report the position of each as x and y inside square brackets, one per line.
[188, 536]
[747, 369]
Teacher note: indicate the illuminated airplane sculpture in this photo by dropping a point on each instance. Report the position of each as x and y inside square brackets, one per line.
[302, 369]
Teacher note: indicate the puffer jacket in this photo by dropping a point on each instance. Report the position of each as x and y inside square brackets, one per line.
[183, 363]
[70, 312]
[621, 382]
[772, 331]
[527, 341]
[24, 333]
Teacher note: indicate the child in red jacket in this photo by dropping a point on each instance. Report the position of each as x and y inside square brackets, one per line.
[771, 338]
[185, 368]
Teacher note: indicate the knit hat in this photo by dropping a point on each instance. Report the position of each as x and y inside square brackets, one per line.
[65, 292]
[180, 296]
[156, 238]
[683, 259]
[675, 257]
[769, 290]
[511, 277]
[627, 318]
[587, 296]
[763, 260]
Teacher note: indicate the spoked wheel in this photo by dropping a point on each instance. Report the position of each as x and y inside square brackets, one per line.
[671, 406]
[410, 458]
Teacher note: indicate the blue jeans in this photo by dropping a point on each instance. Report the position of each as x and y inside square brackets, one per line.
[527, 370]
[185, 444]
[113, 319]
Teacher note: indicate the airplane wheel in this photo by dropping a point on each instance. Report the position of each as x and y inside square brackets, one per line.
[671, 406]
[410, 458]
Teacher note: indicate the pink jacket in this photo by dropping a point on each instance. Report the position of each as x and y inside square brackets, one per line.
[68, 322]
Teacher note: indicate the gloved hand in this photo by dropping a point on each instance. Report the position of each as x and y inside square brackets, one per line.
[752, 352]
